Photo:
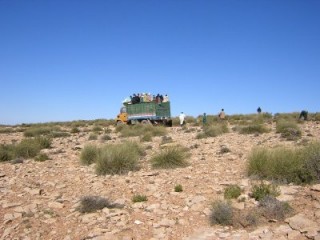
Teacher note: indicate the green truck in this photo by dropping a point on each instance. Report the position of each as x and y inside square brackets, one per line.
[146, 113]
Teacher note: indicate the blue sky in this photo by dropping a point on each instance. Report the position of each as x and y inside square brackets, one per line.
[67, 60]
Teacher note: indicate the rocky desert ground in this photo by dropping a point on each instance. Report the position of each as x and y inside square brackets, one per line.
[39, 200]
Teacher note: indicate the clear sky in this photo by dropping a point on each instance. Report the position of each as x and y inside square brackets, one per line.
[67, 60]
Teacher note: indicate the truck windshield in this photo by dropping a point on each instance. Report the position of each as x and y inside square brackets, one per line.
[123, 110]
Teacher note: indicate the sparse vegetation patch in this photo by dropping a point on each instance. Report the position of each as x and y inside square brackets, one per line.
[221, 213]
[213, 130]
[89, 154]
[297, 165]
[288, 129]
[139, 198]
[170, 157]
[232, 191]
[90, 204]
[263, 190]
[118, 158]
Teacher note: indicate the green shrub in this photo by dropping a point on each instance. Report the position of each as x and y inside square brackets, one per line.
[288, 129]
[147, 137]
[213, 130]
[89, 154]
[6, 153]
[254, 129]
[41, 157]
[118, 158]
[317, 116]
[221, 213]
[107, 131]
[263, 190]
[44, 142]
[140, 130]
[93, 136]
[40, 131]
[170, 157]
[166, 139]
[59, 134]
[75, 130]
[97, 129]
[178, 188]
[139, 198]
[105, 137]
[232, 191]
[311, 156]
[6, 130]
[291, 117]
[282, 164]
[27, 148]
[271, 208]
[90, 204]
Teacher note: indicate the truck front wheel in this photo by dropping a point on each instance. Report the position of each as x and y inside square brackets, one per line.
[119, 123]
[145, 122]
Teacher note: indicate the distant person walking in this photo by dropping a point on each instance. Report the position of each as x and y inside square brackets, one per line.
[181, 118]
[222, 115]
[303, 115]
[204, 119]
[259, 110]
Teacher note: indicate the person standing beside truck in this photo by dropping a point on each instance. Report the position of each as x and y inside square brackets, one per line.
[181, 118]
[204, 119]
[222, 114]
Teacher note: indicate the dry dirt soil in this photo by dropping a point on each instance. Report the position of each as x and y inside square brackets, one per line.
[39, 200]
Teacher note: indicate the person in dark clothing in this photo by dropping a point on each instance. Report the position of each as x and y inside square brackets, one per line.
[161, 98]
[303, 115]
[259, 110]
[135, 99]
[204, 119]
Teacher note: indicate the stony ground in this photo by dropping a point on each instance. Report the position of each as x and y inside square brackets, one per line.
[39, 200]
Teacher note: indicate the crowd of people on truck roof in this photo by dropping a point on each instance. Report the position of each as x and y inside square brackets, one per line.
[146, 97]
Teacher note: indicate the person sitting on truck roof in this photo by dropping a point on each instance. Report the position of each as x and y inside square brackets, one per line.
[135, 99]
[165, 98]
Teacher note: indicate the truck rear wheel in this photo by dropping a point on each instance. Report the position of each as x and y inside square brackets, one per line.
[144, 122]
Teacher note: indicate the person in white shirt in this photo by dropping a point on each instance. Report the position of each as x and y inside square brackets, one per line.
[181, 117]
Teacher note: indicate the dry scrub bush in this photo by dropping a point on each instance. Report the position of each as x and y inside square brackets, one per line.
[41, 157]
[105, 137]
[221, 213]
[92, 136]
[170, 157]
[288, 129]
[75, 130]
[271, 208]
[90, 204]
